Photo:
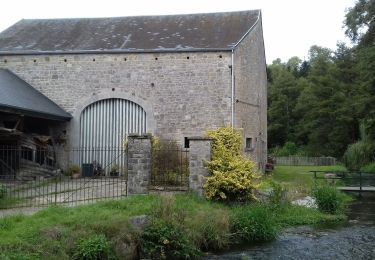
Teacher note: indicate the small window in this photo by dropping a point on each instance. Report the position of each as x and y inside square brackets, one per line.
[249, 143]
[186, 142]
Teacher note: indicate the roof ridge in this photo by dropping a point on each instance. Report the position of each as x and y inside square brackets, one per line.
[138, 16]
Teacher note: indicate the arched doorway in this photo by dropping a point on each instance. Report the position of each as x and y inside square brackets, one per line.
[104, 126]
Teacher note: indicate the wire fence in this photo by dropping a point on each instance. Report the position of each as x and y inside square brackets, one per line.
[305, 161]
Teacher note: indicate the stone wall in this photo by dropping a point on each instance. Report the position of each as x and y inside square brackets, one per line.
[139, 164]
[199, 154]
[183, 94]
[251, 93]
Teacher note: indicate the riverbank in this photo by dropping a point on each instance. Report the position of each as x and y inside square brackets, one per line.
[58, 232]
[352, 239]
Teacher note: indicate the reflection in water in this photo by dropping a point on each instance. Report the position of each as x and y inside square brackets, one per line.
[355, 240]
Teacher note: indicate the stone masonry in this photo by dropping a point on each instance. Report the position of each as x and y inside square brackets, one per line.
[251, 94]
[183, 94]
[139, 163]
[199, 154]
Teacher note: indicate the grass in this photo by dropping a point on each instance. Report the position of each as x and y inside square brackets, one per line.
[301, 174]
[298, 179]
[55, 232]
[369, 168]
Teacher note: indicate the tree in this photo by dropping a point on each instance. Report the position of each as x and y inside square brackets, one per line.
[360, 28]
[283, 92]
[360, 23]
[325, 117]
[319, 103]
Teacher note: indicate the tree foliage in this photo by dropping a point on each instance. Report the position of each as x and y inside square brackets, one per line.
[319, 103]
[360, 22]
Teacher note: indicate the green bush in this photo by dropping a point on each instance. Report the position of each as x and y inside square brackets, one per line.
[96, 247]
[369, 167]
[289, 148]
[232, 175]
[360, 153]
[3, 191]
[206, 229]
[329, 199]
[210, 229]
[253, 223]
[166, 240]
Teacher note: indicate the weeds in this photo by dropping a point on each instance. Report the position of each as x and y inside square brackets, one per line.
[166, 240]
[329, 199]
[96, 247]
[254, 223]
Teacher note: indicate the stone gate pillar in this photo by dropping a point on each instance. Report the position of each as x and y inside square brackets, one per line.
[199, 153]
[139, 163]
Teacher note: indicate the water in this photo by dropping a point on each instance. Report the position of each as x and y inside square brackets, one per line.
[354, 240]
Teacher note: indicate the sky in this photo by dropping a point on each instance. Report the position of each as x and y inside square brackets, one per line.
[290, 27]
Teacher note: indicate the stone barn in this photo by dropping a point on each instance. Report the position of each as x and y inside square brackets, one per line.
[90, 82]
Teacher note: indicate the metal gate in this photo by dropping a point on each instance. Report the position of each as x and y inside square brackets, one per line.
[104, 126]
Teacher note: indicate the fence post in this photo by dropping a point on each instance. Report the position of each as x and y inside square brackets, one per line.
[55, 190]
[199, 153]
[139, 163]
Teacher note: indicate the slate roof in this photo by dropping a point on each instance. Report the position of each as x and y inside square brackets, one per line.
[191, 32]
[18, 96]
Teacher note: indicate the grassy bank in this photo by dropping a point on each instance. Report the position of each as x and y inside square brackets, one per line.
[298, 179]
[65, 233]
[301, 174]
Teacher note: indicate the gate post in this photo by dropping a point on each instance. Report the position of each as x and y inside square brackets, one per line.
[139, 163]
[199, 153]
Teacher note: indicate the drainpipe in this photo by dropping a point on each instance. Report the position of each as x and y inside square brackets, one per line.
[233, 101]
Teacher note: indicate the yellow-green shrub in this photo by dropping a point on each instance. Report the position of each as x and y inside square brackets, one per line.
[232, 174]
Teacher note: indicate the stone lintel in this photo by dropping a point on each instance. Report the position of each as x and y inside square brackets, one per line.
[138, 136]
[199, 138]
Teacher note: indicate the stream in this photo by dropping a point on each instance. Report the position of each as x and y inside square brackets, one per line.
[352, 240]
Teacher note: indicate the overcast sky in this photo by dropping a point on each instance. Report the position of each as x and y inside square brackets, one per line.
[290, 26]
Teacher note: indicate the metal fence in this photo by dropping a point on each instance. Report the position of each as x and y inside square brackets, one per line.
[27, 161]
[170, 169]
[305, 161]
[103, 161]
[350, 181]
[30, 175]
[60, 189]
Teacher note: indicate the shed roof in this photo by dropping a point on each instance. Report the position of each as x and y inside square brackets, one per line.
[18, 96]
[188, 32]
